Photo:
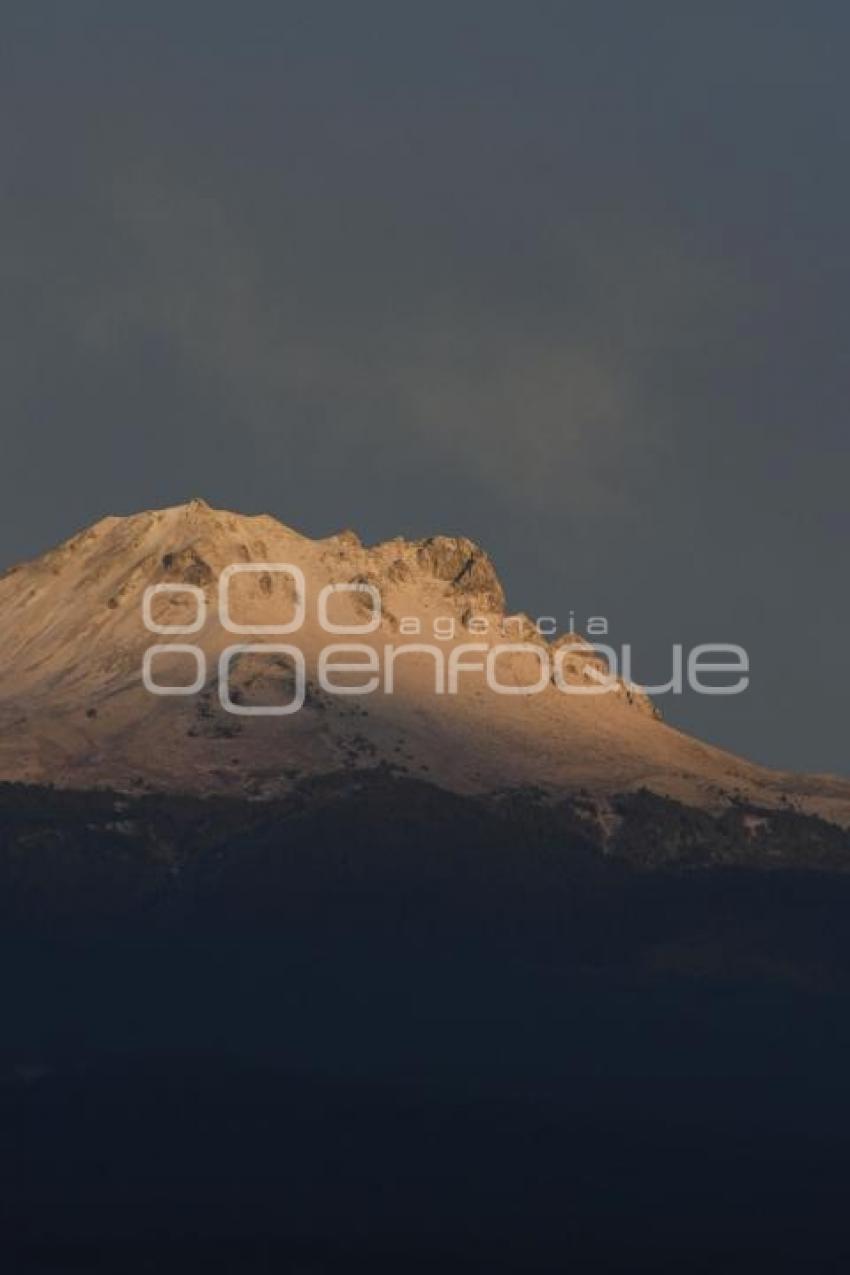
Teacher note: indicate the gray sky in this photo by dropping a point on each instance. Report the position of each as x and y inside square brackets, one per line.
[569, 278]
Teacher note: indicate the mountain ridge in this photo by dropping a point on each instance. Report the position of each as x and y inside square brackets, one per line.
[74, 711]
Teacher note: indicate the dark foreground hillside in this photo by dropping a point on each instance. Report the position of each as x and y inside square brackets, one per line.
[380, 1028]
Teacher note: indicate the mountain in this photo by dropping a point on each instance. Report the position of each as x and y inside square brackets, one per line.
[406, 981]
[74, 711]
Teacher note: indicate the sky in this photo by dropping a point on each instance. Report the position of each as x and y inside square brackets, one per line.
[568, 278]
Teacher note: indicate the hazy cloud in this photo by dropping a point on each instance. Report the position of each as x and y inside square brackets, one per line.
[571, 280]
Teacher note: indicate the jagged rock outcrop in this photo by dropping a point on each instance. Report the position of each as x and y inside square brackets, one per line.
[466, 568]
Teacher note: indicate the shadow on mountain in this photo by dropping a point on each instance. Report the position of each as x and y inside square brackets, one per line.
[379, 1027]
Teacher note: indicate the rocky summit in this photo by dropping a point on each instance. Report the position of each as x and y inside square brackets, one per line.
[119, 673]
